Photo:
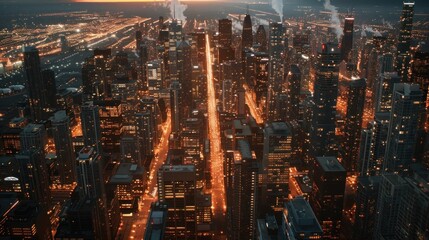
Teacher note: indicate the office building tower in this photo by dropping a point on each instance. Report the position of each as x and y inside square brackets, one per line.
[277, 157]
[247, 33]
[27, 219]
[66, 159]
[33, 136]
[412, 222]
[385, 63]
[384, 90]
[325, 101]
[184, 69]
[392, 188]
[407, 108]
[327, 198]
[242, 193]
[366, 206]
[110, 113]
[34, 176]
[145, 132]
[373, 145]
[91, 186]
[261, 39]
[260, 65]
[176, 105]
[353, 123]
[293, 90]
[225, 32]
[36, 85]
[90, 122]
[276, 71]
[48, 77]
[155, 227]
[267, 228]
[155, 76]
[347, 41]
[299, 221]
[404, 42]
[420, 71]
[177, 190]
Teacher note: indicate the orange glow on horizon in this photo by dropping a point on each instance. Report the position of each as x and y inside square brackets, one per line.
[147, 1]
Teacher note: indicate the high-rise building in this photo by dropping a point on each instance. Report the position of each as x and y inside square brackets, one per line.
[242, 193]
[407, 108]
[247, 34]
[276, 162]
[353, 123]
[261, 39]
[373, 145]
[34, 176]
[184, 69]
[36, 85]
[176, 105]
[155, 76]
[155, 227]
[404, 42]
[413, 222]
[325, 101]
[299, 221]
[177, 190]
[48, 77]
[33, 136]
[347, 41]
[90, 122]
[27, 219]
[91, 187]
[392, 188]
[276, 71]
[366, 206]
[384, 91]
[225, 32]
[329, 181]
[111, 124]
[64, 148]
[268, 228]
[293, 90]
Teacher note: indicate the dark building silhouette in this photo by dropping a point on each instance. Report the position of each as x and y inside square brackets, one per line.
[329, 181]
[225, 32]
[325, 101]
[353, 123]
[347, 41]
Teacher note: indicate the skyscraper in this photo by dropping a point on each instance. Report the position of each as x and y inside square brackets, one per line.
[36, 85]
[329, 181]
[91, 187]
[90, 122]
[34, 176]
[247, 34]
[325, 101]
[176, 104]
[276, 162]
[64, 148]
[177, 190]
[407, 107]
[347, 41]
[184, 69]
[48, 77]
[404, 42]
[33, 136]
[392, 188]
[261, 38]
[299, 220]
[225, 32]
[384, 91]
[366, 206]
[276, 71]
[355, 102]
[293, 82]
[242, 193]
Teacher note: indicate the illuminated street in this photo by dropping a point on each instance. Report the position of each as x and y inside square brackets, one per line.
[254, 110]
[134, 227]
[216, 154]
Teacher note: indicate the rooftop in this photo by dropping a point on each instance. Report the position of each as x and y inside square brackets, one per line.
[330, 164]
